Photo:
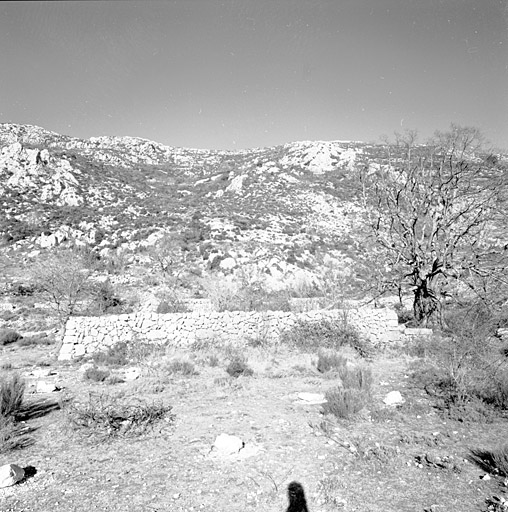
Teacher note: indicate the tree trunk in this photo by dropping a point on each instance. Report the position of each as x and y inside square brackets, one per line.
[426, 302]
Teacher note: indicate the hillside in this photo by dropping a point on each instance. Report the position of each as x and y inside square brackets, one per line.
[287, 213]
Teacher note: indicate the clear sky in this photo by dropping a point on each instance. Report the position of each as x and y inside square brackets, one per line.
[231, 74]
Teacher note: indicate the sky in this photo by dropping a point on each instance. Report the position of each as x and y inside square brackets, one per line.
[234, 74]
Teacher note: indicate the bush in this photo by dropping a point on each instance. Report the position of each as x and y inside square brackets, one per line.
[7, 315]
[330, 361]
[104, 299]
[171, 304]
[404, 315]
[352, 395]
[12, 437]
[9, 336]
[343, 403]
[96, 374]
[115, 356]
[31, 341]
[466, 369]
[107, 416]
[238, 366]
[180, 367]
[124, 353]
[356, 377]
[324, 333]
[12, 390]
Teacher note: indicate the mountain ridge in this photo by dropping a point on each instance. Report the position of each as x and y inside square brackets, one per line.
[286, 213]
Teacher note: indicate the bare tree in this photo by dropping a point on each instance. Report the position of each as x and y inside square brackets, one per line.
[432, 211]
[63, 278]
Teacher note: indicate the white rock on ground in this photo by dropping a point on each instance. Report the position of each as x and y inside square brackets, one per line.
[43, 386]
[393, 398]
[226, 444]
[10, 474]
[132, 373]
[312, 398]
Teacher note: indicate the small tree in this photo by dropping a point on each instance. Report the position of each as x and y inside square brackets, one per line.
[63, 277]
[167, 256]
[432, 210]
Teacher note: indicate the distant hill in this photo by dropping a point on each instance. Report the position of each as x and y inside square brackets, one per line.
[286, 212]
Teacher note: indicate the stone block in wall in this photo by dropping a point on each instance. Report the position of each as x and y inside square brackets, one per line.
[66, 352]
[79, 350]
[417, 332]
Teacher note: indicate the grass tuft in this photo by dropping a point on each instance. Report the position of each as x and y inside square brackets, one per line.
[9, 336]
[96, 374]
[12, 390]
[491, 461]
[108, 416]
[330, 360]
[238, 366]
[325, 333]
[179, 367]
[349, 398]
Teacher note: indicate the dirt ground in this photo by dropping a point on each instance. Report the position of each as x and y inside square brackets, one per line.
[380, 461]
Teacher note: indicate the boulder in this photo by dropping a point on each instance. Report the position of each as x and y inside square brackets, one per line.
[393, 398]
[132, 373]
[312, 398]
[43, 386]
[226, 444]
[10, 474]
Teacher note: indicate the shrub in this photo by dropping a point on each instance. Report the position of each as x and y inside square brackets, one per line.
[114, 379]
[96, 374]
[107, 416]
[12, 390]
[213, 360]
[464, 368]
[404, 315]
[324, 333]
[238, 366]
[114, 356]
[356, 377]
[7, 315]
[12, 437]
[343, 403]
[171, 304]
[180, 367]
[104, 299]
[352, 395]
[30, 341]
[329, 361]
[9, 336]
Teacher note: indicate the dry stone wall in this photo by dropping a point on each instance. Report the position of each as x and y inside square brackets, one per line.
[85, 335]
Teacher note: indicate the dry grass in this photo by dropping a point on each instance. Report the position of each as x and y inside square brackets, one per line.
[491, 461]
[107, 415]
[12, 390]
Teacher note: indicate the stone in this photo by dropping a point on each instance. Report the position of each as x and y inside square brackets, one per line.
[226, 444]
[42, 372]
[312, 398]
[85, 366]
[393, 398]
[43, 386]
[11, 474]
[132, 373]
[79, 350]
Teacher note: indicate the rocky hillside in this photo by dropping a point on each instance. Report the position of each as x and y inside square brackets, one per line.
[287, 212]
